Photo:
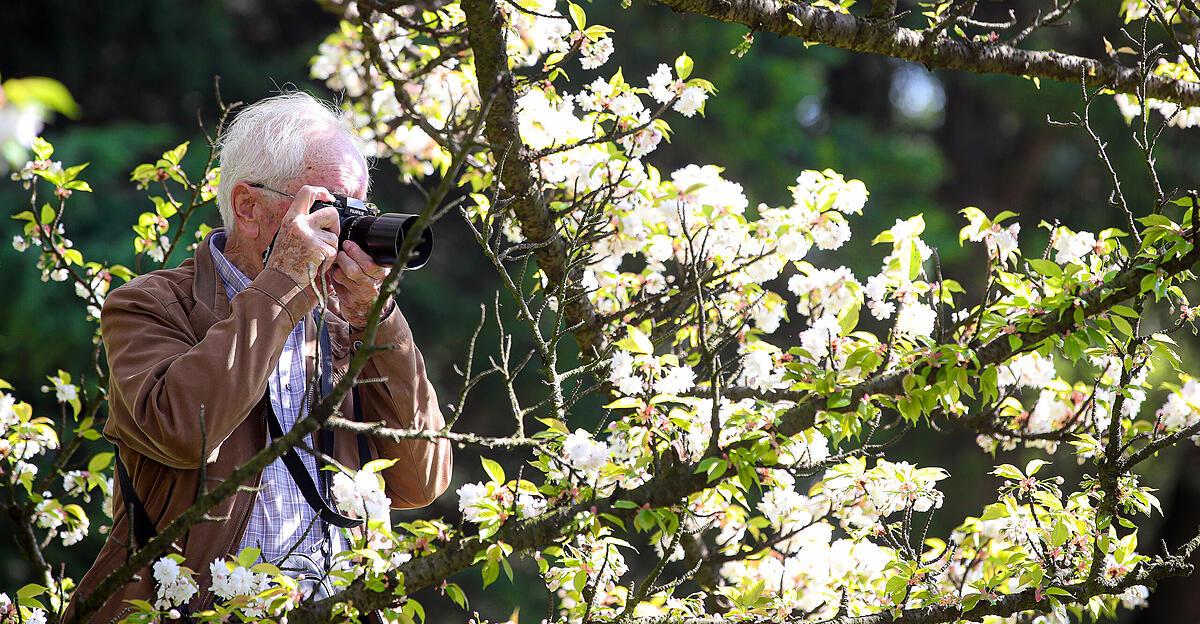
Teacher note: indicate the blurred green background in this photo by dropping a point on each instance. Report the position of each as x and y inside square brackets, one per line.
[932, 143]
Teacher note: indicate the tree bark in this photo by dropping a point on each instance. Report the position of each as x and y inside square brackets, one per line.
[839, 30]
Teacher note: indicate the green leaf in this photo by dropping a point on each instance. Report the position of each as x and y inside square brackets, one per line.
[414, 607]
[40, 91]
[554, 424]
[493, 469]
[266, 568]
[29, 592]
[625, 403]
[716, 469]
[636, 342]
[848, 319]
[176, 155]
[100, 462]
[1045, 267]
[1122, 325]
[683, 66]
[1148, 282]
[457, 595]
[142, 605]
[838, 399]
[644, 520]
[42, 148]
[1008, 471]
[1034, 466]
[914, 261]
[577, 15]
[164, 208]
[1157, 219]
[491, 571]
[709, 465]
[1060, 535]
[1125, 311]
[379, 465]
[248, 556]
[70, 173]
[596, 31]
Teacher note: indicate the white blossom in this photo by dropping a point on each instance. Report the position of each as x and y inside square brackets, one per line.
[759, 370]
[175, 587]
[231, 581]
[1072, 247]
[830, 234]
[690, 101]
[1180, 410]
[1135, 597]
[1029, 370]
[362, 496]
[916, 320]
[530, 505]
[470, 500]
[677, 380]
[818, 338]
[596, 53]
[583, 452]
[661, 84]
[851, 198]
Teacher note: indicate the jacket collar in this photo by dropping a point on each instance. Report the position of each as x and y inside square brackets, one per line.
[212, 304]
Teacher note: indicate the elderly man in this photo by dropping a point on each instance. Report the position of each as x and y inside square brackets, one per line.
[203, 356]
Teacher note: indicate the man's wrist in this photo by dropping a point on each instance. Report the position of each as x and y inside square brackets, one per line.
[388, 308]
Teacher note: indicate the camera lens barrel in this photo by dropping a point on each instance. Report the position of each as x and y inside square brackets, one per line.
[382, 236]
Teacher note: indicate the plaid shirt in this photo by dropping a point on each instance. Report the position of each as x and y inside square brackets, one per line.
[281, 516]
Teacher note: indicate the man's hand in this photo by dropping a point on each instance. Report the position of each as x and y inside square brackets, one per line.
[356, 280]
[307, 243]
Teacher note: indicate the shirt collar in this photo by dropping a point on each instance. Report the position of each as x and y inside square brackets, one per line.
[235, 281]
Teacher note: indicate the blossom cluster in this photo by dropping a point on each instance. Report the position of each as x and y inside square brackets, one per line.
[1178, 68]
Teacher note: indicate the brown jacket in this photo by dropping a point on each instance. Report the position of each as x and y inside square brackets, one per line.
[176, 343]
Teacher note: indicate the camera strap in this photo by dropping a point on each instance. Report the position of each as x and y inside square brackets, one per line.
[140, 523]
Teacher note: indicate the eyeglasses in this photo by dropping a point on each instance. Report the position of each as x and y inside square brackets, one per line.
[348, 200]
[260, 185]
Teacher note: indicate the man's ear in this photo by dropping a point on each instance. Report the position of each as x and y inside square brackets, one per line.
[245, 210]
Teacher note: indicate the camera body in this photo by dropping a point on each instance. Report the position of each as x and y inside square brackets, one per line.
[348, 207]
[380, 235]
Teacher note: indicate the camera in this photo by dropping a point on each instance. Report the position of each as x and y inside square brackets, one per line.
[380, 235]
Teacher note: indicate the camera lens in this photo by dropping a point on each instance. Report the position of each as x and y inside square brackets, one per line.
[382, 236]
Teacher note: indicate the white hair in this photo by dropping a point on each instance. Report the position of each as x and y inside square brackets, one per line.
[269, 141]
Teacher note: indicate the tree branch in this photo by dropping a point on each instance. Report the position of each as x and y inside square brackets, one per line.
[838, 30]
[486, 32]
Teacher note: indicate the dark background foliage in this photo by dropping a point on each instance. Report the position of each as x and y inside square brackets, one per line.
[143, 73]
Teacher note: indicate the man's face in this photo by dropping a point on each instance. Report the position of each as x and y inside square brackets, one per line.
[332, 163]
